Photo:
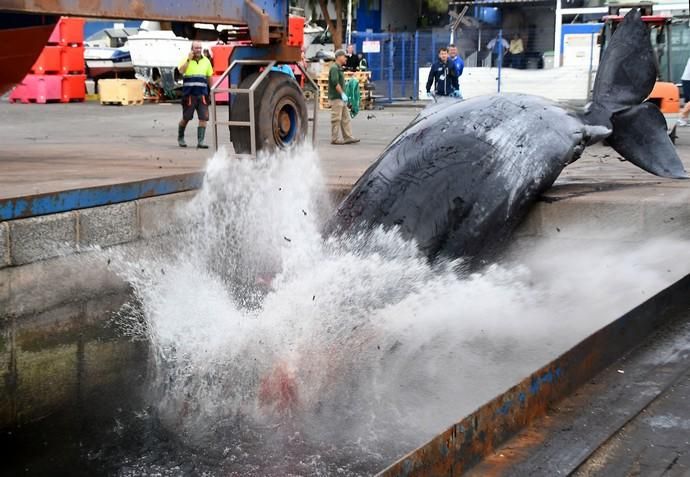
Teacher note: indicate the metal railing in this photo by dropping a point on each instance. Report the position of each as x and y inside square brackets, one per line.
[251, 123]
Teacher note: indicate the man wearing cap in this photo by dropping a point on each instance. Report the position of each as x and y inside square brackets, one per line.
[340, 115]
[197, 71]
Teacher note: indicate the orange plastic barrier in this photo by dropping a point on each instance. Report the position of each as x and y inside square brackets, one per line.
[666, 96]
[221, 57]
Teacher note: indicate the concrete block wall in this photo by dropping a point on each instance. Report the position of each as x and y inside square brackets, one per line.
[592, 215]
[34, 239]
[42, 263]
[611, 215]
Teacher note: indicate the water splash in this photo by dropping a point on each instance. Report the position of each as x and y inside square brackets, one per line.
[356, 349]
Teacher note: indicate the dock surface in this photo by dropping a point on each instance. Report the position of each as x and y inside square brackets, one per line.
[57, 147]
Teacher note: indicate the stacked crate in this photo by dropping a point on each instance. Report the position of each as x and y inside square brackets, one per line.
[363, 77]
[58, 74]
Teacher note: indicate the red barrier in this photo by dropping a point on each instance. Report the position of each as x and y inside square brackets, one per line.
[73, 88]
[38, 89]
[295, 31]
[68, 31]
[221, 98]
[221, 56]
[49, 61]
[60, 60]
[72, 59]
[45, 88]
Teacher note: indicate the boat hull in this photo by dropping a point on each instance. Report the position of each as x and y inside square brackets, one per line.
[19, 50]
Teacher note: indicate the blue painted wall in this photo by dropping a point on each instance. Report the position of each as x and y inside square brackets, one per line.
[368, 18]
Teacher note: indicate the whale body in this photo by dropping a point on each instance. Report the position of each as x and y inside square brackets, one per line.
[462, 175]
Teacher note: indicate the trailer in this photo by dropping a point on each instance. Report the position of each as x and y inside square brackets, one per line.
[267, 109]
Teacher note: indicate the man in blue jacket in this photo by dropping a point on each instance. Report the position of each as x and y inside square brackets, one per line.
[456, 61]
[443, 74]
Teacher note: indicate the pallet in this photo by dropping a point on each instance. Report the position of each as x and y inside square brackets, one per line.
[45, 101]
[363, 77]
[124, 102]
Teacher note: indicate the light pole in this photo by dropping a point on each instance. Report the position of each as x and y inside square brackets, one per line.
[349, 22]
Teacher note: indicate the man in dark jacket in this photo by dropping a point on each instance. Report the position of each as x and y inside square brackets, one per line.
[352, 61]
[444, 75]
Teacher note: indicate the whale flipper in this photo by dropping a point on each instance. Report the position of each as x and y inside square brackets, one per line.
[641, 137]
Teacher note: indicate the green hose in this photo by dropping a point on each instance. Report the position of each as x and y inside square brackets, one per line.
[354, 98]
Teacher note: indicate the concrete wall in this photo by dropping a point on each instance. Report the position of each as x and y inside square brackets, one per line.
[64, 357]
[44, 261]
[30, 240]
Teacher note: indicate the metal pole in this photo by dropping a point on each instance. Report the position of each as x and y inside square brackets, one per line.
[214, 120]
[557, 36]
[382, 56]
[591, 68]
[669, 44]
[479, 46]
[402, 66]
[500, 57]
[416, 65]
[370, 65]
[433, 47]
[390, 67]
[349, 22]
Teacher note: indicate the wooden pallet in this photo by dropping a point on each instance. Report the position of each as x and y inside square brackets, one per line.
[362, 77]
[124, 102]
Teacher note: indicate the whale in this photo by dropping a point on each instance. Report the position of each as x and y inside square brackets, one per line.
[462, 175]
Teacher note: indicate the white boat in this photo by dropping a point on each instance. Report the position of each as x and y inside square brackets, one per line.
[158, 49]
[106, 52]
[156, 54]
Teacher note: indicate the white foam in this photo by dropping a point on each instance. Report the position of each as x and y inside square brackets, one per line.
[383, 347]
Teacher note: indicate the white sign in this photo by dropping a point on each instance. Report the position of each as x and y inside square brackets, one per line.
[577, 49]
[423, 76]
[371, 46]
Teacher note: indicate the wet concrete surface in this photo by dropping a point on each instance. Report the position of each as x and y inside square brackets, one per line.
[55, 147]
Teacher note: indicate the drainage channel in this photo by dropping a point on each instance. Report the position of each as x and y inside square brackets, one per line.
[600, 407]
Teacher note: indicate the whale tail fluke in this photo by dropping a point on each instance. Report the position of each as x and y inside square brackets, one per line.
[626, 77]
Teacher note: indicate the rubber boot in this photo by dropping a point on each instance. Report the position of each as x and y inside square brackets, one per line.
[180, 136]
[200, 134]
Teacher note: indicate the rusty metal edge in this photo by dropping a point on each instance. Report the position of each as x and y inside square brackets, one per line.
[224, 12]
[464, 444]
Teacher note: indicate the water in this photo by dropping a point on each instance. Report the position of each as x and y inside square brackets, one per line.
[276, 351]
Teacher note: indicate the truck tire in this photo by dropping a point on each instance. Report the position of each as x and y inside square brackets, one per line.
[280, 112]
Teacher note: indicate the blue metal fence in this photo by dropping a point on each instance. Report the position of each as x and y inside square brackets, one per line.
[395, 67]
